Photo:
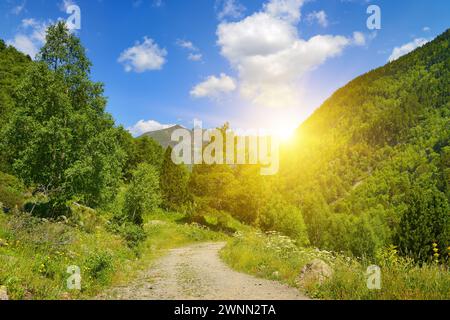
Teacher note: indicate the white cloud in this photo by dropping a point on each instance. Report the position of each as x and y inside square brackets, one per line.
[213, 87]
[145, 56]
[31, 37]
[186, 45]
[359, 38]
[229, 9]
[63, 5]
[31, 22]
[194, 54]
[407, 48]
[143, 126]
[319, 16]
[288, 10]
[426, 29]
[24, 44]
[270, 57]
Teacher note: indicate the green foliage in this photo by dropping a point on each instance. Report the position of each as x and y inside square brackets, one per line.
[358, 156]
[85, 218]
[142, 195]
[174, 183]
[34, 264]
[275, 258]
[11, 191]
[140, 150]
[13, 65]
[273, 255]
[64, 54]
[98, 266]
[280, 216]
[239, 190]
[147, 150]
[425, 222]
[58, 137]
[133, 234]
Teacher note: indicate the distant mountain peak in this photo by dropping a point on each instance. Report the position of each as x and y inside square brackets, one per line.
[163, 136]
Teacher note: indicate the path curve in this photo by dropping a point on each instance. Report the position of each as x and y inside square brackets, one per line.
[197, 273]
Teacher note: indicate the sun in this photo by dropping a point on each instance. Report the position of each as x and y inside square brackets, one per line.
[285, 133]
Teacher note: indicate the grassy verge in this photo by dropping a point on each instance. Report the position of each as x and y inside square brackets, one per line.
[277, 258]
[35, 253]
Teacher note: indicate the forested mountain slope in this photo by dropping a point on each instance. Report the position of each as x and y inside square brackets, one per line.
[12, 68]
[371, 166]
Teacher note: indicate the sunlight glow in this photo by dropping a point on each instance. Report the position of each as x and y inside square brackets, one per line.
[285, 133]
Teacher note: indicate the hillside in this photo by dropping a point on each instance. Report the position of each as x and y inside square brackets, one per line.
[368, 180]
[163, 137]
[375, 156]
[12, 68]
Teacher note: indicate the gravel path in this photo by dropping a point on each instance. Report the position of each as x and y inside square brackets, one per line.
[196, 273]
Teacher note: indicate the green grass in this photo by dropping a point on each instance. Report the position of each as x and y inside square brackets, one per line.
[277, 258]
[36, 253]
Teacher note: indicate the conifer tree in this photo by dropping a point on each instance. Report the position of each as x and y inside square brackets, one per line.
[174, 183]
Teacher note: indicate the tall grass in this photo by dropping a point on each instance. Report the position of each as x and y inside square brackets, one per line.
[35, 253]
[276, 257]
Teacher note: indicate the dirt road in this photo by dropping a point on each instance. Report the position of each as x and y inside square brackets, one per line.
[197, 273]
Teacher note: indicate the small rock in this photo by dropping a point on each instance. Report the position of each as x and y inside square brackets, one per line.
[315, 271]
[3, 293]
[65, 296]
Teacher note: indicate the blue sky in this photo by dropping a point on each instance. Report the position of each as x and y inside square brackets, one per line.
[255, 63]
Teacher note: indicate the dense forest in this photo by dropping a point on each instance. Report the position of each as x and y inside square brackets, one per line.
[370, 168]
[58, 146]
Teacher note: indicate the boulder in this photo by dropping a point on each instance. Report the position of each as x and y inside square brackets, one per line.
[315, 271]
[3, 294]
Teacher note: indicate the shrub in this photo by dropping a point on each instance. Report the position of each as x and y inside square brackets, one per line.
[86, 218]
[285, 218]
[11, 191]
[98, 266]
[47, 209]
[132, 233]
[142, 195]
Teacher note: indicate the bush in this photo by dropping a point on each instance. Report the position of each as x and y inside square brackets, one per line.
[285, 218]
[142, 195]
[98, 266]
[86, 218]
[214, 220]
[47, 209]
[11, 191]
[132, 233]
